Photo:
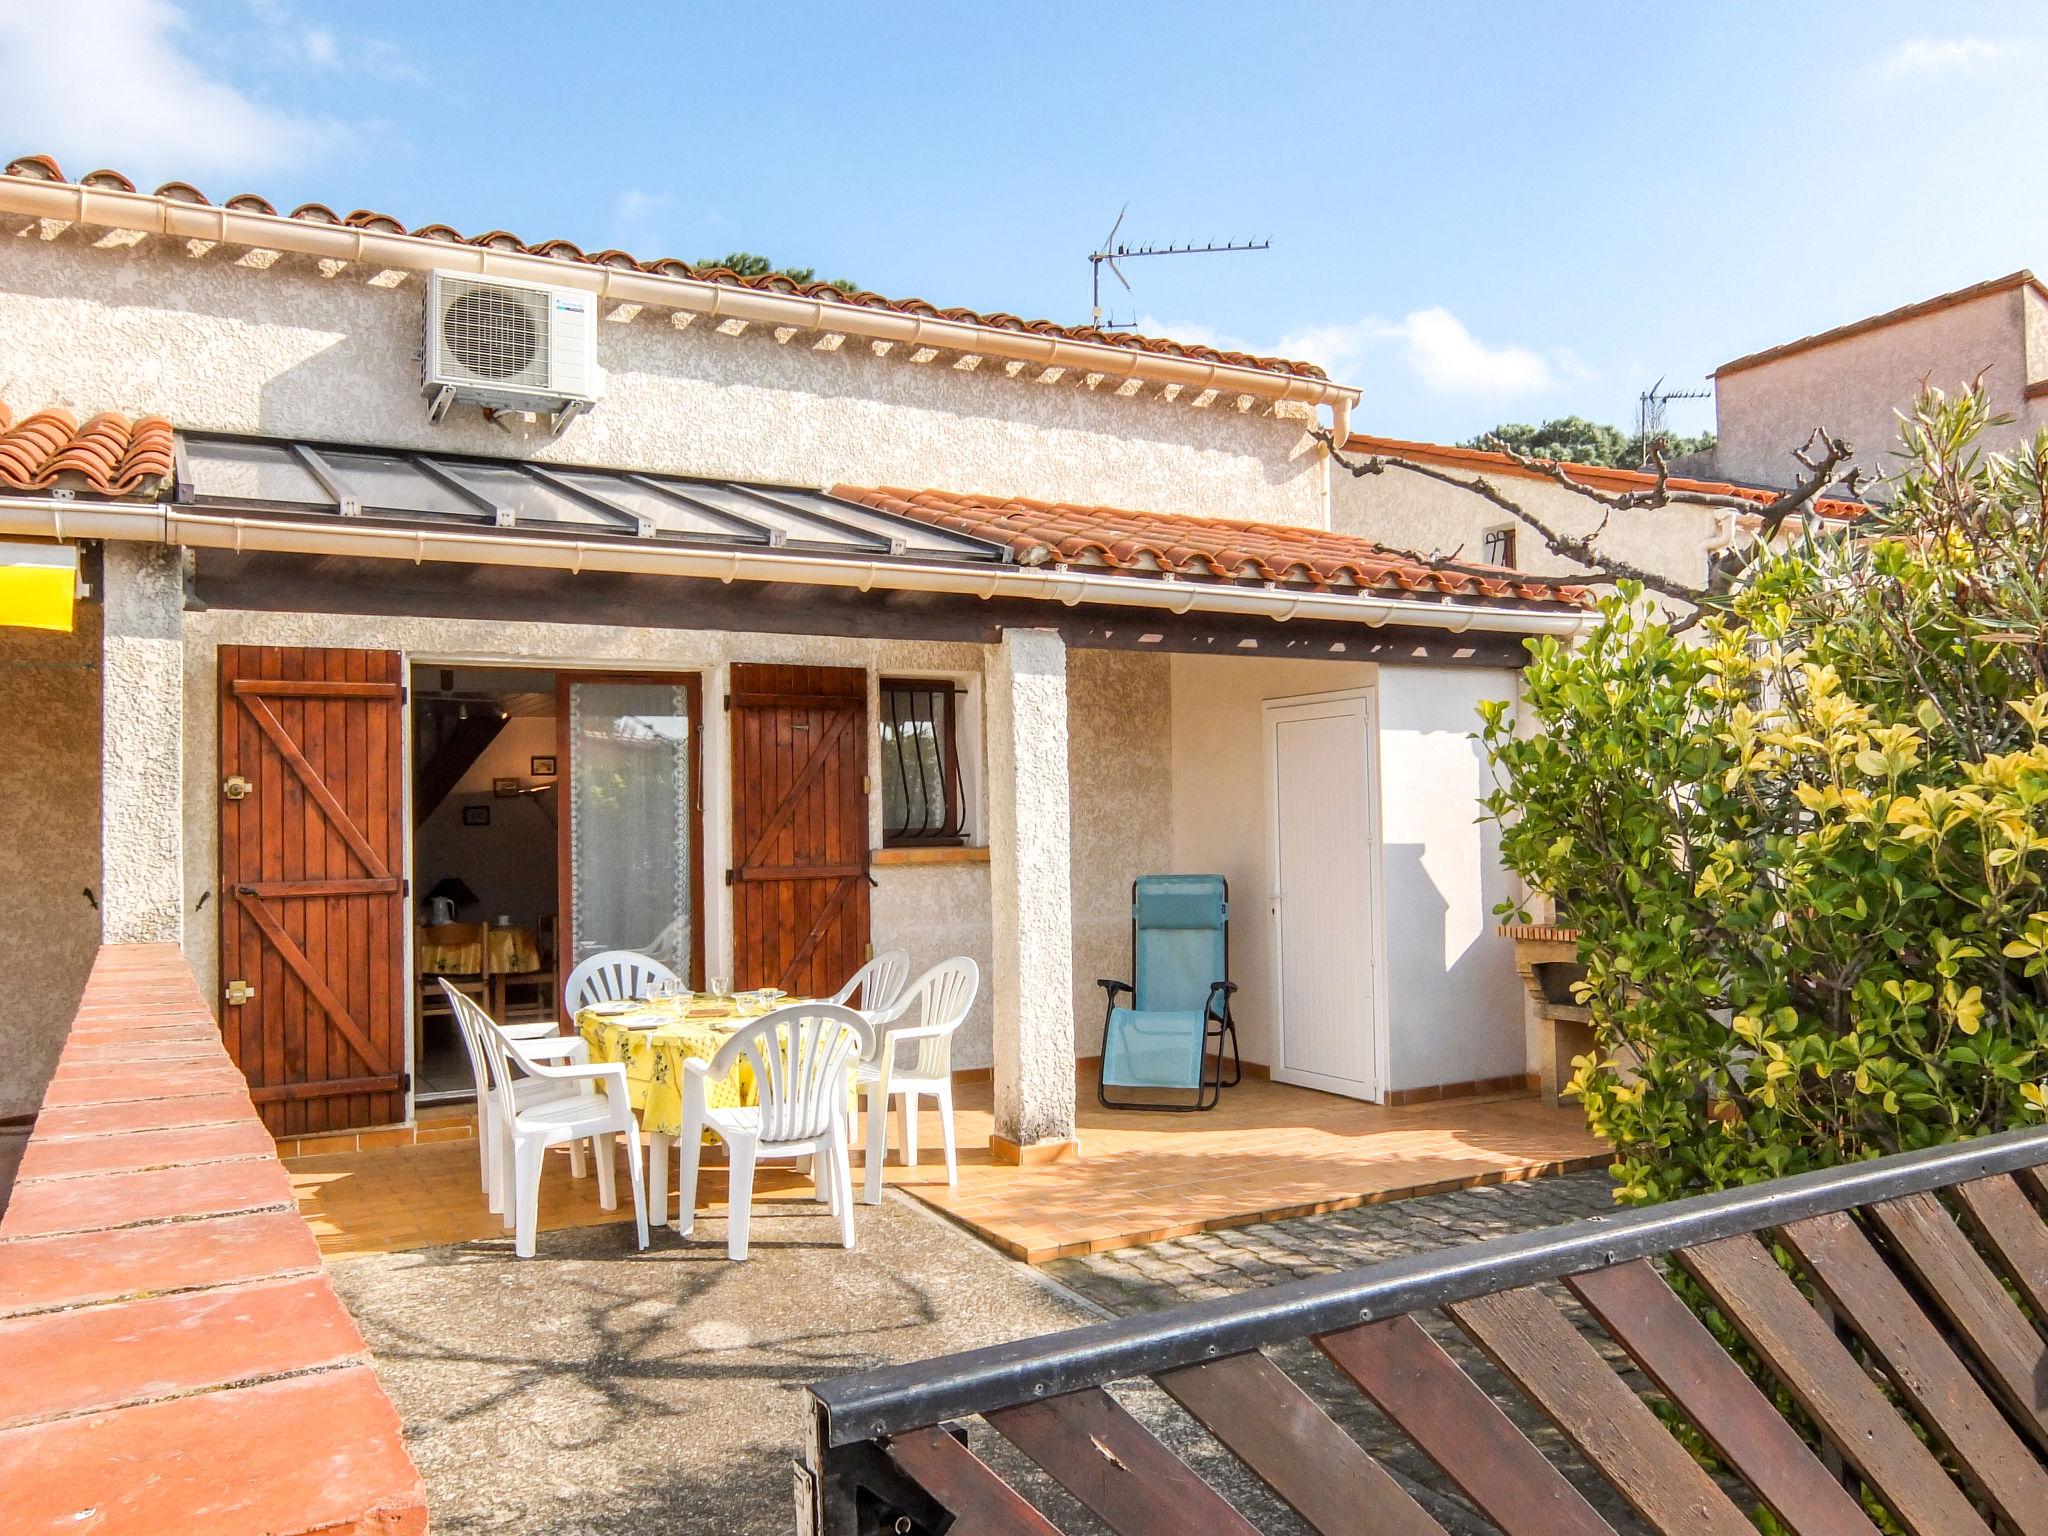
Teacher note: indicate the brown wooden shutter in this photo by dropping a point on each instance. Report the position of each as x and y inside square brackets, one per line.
[799, 826]
[312, 908]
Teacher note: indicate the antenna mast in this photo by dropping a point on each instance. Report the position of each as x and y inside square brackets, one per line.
[1110, 253]
[1650, 411]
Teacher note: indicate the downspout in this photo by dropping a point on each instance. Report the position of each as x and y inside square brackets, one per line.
[163, 524]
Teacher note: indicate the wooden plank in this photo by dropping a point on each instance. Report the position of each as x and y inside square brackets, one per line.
[317, 787]
[323, 992]
[1749, 1288]
[799, 783]
[1560, 1372]
[1275, 1428]
[769, 700]
[314, 688]
[1952, 1274]
[290, 890]
[327, 1088]
[981, 1502]
[2010, 1227]
[1674, 1349]
[1869, 1296]
[1111, 1463]
[1456, 1425]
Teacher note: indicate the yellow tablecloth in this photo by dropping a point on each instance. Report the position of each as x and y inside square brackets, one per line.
[654, 1058]
[438, 953]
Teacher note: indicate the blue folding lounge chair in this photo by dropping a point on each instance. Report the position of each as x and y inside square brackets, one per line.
[1180, 957]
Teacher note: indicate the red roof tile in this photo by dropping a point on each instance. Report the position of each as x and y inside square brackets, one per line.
[1601, 477]
[1211, 548]
[110, 454]
[43, 168]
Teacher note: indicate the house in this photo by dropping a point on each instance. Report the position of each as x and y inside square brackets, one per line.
[803, 621]
[1855, 378]
[1426, 514]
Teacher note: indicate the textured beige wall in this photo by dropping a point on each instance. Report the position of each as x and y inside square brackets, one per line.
[215, 344]
[1221, 817]
[140, 835]
[1454, 1003]
[1030, 890]
[1855, 387]
[1409, 511]
[1120, 773]
[49, 844]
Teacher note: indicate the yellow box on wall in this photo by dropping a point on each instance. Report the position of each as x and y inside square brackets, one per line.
[38, 585]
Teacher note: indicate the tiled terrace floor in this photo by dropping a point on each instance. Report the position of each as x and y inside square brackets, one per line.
[1269, 1151]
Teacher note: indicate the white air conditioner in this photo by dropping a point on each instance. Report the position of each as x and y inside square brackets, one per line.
[509, 346]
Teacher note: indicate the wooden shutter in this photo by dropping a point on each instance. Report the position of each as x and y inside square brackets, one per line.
[799, 826]
[312, 907]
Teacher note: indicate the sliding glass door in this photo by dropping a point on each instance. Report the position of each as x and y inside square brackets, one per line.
[631, 853]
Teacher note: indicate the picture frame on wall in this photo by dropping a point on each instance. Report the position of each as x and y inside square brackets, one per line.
[505, 789]
[476, 815]
[542, 768]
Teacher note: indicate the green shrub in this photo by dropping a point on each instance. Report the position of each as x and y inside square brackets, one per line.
[1806, 847]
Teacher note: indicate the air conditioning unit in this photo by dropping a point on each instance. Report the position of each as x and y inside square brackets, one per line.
[508, 345]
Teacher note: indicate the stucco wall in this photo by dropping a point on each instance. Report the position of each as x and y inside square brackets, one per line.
[216, 344]
[1855, 386]
[1412, 512]
[1454, 1003]
[1120, 770]
[1221, 817]
[49, 845]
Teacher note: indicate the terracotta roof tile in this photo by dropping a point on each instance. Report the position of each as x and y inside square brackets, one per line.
[43, 168]
[110, 454]
[1203, 548]
[1601, 477]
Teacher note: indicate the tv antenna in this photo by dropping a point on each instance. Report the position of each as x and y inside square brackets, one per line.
[1650, 411]
[1111, 253]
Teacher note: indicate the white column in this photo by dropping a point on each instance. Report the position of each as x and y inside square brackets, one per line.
[142, 874]
[1030, 881]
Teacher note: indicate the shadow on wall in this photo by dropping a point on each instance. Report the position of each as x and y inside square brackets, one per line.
[1449, 1022]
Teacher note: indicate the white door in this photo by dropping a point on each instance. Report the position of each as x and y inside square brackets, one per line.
[1325, 849]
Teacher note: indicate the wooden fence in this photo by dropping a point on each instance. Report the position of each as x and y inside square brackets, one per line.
[1898, 1303]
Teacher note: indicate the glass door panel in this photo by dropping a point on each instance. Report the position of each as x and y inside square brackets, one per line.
[632, 821]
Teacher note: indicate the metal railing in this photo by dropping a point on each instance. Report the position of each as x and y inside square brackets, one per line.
[855, 1419]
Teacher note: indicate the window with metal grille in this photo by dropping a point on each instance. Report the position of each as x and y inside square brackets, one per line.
[1498, 546]
[922, 798]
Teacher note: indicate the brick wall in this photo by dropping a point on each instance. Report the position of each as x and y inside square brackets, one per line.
[172, 1357]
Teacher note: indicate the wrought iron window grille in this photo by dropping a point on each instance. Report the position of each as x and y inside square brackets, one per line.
[923, 803]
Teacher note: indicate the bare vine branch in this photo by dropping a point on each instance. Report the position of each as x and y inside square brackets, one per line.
[1820, 457]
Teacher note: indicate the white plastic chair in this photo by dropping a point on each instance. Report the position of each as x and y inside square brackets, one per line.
[541, 1041]
[616, 976]
[801, 1057]
[531, 1127]
[879, 983]
[942, 996]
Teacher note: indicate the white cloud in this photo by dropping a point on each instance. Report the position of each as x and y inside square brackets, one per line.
[309, 45]
[1920, 57]
[1438, 349]
[112, 82]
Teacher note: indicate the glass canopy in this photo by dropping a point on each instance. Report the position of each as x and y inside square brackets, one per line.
[403, 485]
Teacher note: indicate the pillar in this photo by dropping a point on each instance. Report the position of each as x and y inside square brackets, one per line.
[1031, 892]
[142, 875]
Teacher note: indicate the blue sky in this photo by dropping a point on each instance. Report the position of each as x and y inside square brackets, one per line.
[1479, 211]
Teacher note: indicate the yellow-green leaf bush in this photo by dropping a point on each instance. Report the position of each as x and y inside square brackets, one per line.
[1806, 847]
